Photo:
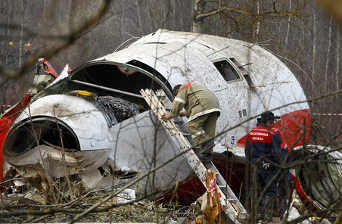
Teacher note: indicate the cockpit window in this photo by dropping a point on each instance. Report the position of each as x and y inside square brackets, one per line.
[227, 70]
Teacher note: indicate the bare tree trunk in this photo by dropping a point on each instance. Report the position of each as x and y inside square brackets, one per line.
[257, 28]
[197, 25]
[337, 79]
[21, 35]
[338, 49]
[314, 47]
[288, 24]
[326, 76]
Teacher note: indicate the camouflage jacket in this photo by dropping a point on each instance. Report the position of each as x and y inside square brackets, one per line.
[197, 101]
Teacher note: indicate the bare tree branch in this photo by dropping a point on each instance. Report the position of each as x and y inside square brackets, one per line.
[70, 39]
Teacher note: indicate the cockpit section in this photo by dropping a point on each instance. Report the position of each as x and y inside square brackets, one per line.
[119, 80]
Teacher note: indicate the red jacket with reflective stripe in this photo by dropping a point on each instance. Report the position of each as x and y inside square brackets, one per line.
[262, 144]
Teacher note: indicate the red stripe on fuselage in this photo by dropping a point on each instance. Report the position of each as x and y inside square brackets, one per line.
[294, 128]
[6, 122]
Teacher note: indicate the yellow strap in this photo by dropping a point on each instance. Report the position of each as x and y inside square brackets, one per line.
[83, 93]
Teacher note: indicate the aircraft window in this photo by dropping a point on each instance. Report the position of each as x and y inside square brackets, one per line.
[226, 70]
[243, 71]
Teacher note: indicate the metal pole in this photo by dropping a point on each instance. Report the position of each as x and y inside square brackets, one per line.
[106, 88]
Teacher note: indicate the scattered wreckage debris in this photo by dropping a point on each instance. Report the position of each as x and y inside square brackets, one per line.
[44, 165]
[138, 211]
[211, 208]
[143, 211]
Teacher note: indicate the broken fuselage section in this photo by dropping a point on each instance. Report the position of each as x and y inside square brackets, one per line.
[91, 125]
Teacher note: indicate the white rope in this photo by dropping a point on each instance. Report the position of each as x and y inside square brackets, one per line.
[328, 114]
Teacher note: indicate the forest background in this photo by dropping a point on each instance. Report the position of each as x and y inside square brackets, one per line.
[302, 34]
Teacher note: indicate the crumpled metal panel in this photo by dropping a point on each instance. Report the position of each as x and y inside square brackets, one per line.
[141, 144]
[58, 163]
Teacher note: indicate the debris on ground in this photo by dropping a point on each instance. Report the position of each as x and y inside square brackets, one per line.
[28, 205]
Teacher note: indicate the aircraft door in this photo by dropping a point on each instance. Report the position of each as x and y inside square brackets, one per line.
[234, 99]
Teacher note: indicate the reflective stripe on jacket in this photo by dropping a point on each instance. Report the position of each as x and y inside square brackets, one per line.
[263, 144]
[196, 99]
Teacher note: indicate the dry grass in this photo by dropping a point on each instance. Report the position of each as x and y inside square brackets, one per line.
[23, 208]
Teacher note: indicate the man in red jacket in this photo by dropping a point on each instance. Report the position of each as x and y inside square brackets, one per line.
[263, 152]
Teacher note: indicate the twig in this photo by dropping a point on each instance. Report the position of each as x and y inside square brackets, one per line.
[75, 35]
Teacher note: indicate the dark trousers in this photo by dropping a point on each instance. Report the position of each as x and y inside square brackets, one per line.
[265, 181]
[265, 176]
[202, 129]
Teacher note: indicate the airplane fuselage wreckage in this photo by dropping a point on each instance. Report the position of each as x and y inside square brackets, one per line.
[94, 122]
